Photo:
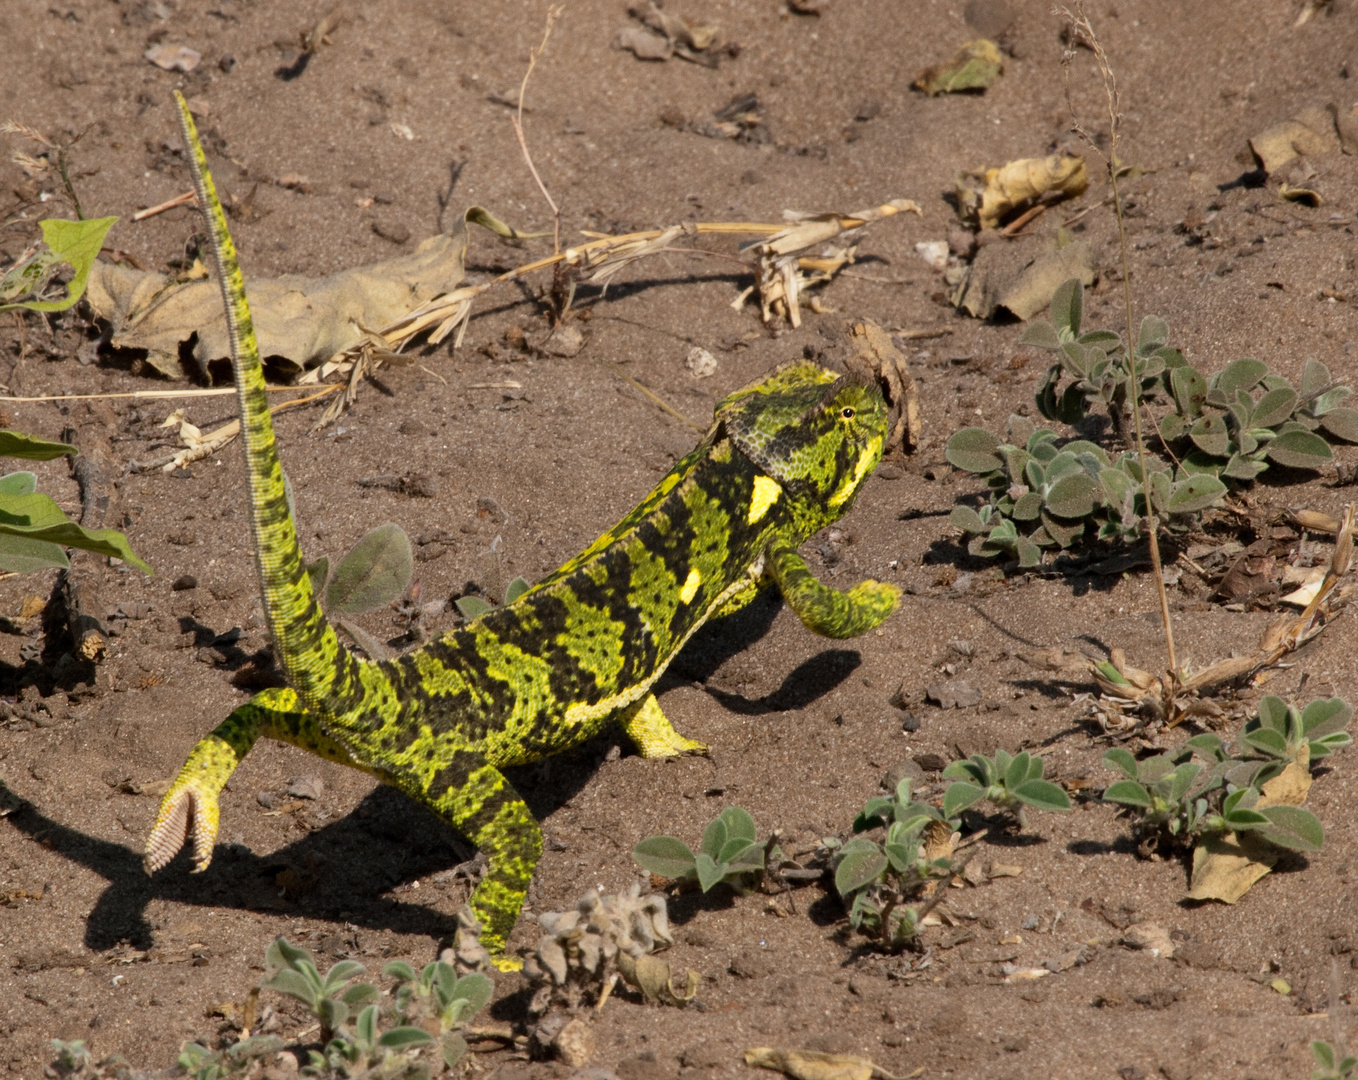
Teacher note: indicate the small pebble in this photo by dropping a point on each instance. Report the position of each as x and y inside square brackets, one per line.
[184, 582]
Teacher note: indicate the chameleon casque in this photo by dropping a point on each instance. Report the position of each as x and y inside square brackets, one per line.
[785, 456]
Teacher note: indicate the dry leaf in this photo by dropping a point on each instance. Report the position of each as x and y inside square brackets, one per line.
[645, 45]
[1151, 937]
[974, 66]
[1225, 867]
[1018, 278]
[1019, 185]
[174, 57]
[887, 364]
[302, 319]
[1309, 133]
[1289, 787]
[811, 1064]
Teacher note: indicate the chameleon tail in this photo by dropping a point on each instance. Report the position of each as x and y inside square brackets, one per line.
[324, 673]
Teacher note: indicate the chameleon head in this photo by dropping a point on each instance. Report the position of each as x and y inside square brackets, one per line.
[818, 433]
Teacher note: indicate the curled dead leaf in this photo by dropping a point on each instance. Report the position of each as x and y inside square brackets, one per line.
[1225, 867]
[1308, 134]
[975, 66]
[811, 1064]
[1018, 185]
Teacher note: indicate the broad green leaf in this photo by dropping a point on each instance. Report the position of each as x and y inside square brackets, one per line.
[859, 868]
[1066, 307]
[960, 796]
[966, 519]
[1329, 401]
[472, 607]
[1153, 334]
[1118, 758]
[1211, 436]
[1239, 468]
[1325, 716]
[405, 1038]
[20, 555]
[76, 243]
[1342, 423]
[31, 448]
[1020, 428]
[973, 450]
[1195, 494]
[366, 1026]
[1243, 374]
[666, 856]
[400, 970]
[1244, 819]
[1189, 389]
[1073, 496]
[18, 483]
[1041, 335]
[359, 994]
[1272, 713]
[318, 572]
[1129, 793]
[1315, 377]
[1323, 1052]
[1172, 427]
[292, 983]
[739, 824]
[1016, 772]
[1042, 794]
[1293, 827]
[1029, 554]
[37, 517]
[1064, 533]
[1266, 740]
[454, 1048]
[1274, 407]
[714, 837]
[966, 769]
[516, 588]
[340, 974]
[900, 857]
[477, 990]
[710, 873]
[1300, 450]
[1027, 507]
[282, 953]
[741, 853]
[375, 572]
[1181, 779]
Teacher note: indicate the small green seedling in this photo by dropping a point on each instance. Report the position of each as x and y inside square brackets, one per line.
[1330, 1065]
[330, 997]
[729, 852]
[374, 572]
[438, 994]
[876, 880]
[1173, 796]
[1010, 783]
[473, 607]
[1280, 731]
[235, 1060]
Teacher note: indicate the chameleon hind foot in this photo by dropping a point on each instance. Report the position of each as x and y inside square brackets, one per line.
[189, 810]
[652, 733]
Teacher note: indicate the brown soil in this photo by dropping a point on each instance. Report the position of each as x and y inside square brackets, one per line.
[802, 730]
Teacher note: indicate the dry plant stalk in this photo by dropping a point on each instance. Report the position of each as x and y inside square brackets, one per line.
[1142, 702]
[1082, 33]
[553, 13]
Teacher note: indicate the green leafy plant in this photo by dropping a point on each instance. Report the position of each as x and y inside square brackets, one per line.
[234, 1060]
[1010, 783]
[1330, 1065]
[729, 852]
[878, 879]
[473, 607]
[1045, 493]
[428, 1010]
[76, 244]
[372, 574]
[1280, 731]
[33, 528]
[1219, 432]
[1188, 801]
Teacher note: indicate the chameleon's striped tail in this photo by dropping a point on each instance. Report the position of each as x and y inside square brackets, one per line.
[323, 672]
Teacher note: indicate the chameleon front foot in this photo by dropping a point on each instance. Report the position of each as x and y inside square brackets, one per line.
[652, 733]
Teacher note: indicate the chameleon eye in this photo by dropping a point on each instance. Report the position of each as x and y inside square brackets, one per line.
[847, 412]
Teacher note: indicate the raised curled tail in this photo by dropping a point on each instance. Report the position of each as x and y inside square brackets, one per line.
[324, 673]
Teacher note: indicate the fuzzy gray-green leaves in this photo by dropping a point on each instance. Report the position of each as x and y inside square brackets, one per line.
[730, 851]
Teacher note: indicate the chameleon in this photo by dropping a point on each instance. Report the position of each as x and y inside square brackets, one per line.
[785, 456]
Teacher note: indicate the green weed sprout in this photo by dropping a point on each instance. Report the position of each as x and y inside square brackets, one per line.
[473, 607]
[204, 1064]
[1329, 1066]
[26, 285]
[729, 852]
[1010, 783]
[437, 993]
[1186, 801]
[877, 879]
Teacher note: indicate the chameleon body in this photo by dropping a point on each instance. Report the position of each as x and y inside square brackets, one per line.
[785, 456]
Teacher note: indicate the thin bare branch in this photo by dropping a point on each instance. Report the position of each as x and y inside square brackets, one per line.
[553, 13]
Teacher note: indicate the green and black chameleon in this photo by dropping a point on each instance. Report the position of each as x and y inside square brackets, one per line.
[784, 457]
